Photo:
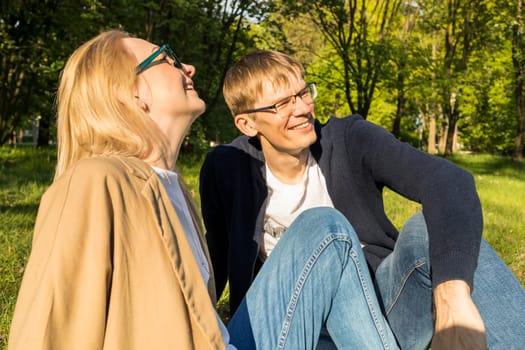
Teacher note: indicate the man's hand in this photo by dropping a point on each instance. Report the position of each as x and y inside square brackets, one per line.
[458, 322]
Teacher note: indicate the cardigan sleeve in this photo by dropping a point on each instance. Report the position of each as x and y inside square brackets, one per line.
[62, 302]
[214, 218]
[447, 193]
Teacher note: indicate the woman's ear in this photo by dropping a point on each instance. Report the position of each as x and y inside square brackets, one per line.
[141, 104]
[142, 94]
[124, 98]
[245, 124]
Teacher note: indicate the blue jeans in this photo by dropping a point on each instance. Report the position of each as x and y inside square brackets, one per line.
[317, 275]
[404, 283]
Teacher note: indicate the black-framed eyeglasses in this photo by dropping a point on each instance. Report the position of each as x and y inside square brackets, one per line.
[307, 94]
[170, 58]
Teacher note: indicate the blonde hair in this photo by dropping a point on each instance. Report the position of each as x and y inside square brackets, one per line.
[97, 114]
[243, 83]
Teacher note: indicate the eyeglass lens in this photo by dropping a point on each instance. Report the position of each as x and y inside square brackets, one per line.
[307, 95]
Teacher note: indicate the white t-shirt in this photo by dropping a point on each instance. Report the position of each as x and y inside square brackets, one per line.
[286, 202]
[170, 181]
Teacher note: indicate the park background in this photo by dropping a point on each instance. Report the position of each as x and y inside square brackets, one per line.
[446, 76]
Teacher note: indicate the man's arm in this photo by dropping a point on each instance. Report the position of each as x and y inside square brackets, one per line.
[458, 324]
[453, 214]
[447, 193]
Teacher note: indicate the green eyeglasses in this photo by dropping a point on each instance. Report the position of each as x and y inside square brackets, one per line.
[307, 94]
[169, 58]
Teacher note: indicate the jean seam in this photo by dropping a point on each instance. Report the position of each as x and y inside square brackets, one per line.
[406, 275]
[290, 310]
[304, 276]
[372, 310]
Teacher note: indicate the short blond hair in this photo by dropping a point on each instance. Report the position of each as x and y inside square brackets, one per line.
[243, 83]
[96, 110]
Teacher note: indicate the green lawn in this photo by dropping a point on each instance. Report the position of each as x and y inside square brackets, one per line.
[25, 173]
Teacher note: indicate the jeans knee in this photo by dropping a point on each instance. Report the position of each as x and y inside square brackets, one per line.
[413, 239]
[321, 216]
[415, 229]
[326, 221]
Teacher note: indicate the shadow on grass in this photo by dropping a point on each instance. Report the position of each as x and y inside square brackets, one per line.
[491, 165]
[21, 166]
[19, 209]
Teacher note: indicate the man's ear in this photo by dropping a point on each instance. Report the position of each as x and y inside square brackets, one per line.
[245, 124]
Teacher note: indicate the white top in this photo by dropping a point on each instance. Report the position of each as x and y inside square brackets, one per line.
[170, 181]
[286, 202]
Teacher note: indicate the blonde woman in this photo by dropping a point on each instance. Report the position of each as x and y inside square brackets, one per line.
[118, 258]
[112, 263]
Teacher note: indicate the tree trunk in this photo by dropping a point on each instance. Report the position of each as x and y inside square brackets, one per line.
[43, 131]
[442, 132]
[451, 130]
[432, 133]
[517, 154]
[520, 135]
[451, 114]
[400, 108]
[455, 144]
[518, 60]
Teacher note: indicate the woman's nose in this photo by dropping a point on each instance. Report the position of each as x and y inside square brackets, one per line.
[189, 70]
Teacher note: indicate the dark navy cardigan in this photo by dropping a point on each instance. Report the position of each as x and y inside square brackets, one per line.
[358, 159]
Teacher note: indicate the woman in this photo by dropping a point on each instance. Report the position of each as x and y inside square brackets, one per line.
[118, 258]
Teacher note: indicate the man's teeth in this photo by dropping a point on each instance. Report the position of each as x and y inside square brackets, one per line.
[301, 126]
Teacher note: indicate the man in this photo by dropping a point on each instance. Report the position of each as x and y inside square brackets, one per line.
[433, 279]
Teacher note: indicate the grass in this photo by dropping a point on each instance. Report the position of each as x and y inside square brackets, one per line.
[501, 187]
[25, 173]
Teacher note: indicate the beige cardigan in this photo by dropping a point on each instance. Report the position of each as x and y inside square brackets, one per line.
[110, 267]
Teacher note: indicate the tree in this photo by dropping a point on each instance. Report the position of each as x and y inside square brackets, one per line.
[359, 32]
[22, 28]
[518, 60]
[401, 58]
[38, 36]
[488, 121]
[445, 63]
[461, 27]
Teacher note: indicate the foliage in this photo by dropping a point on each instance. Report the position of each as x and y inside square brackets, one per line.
[489, 120]
[393, 61]
[358, 32]
[38, 36]
[30, 53]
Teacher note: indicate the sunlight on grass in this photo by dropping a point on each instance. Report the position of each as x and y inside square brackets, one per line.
[504, 214]
[501, 185]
